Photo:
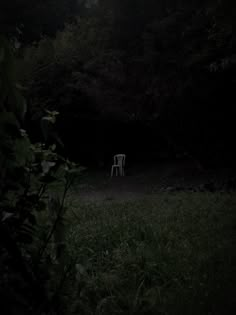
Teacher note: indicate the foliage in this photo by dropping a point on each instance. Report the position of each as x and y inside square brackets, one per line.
[27, 170]
[142, 63]
[27, 23]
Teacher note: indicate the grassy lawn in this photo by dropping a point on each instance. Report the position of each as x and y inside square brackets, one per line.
[172, 254]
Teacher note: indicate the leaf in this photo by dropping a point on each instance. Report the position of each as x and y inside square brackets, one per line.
[46, 166]
[7, 215]
[53, 147]
[22, 151]
[20, 87]
[28, 228]
[80, 269]
[47, 126]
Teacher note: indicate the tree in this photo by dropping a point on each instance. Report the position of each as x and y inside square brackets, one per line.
[27, 22]
[131, 61]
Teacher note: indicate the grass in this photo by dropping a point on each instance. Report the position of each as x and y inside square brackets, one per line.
[172, 254]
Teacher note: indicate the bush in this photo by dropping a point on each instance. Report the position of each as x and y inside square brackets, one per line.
[27, 171]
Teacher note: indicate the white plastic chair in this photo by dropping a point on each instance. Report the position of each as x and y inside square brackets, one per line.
[119, 164]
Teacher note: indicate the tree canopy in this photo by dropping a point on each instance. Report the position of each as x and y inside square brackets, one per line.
[170, 64]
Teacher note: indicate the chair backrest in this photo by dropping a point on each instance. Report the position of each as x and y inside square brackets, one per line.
[119, 159]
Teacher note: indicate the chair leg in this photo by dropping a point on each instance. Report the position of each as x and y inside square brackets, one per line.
[119, 171]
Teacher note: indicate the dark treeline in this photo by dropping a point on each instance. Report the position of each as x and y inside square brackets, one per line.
[164, 65]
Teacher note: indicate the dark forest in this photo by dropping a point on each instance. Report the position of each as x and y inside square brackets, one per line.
[117, 157]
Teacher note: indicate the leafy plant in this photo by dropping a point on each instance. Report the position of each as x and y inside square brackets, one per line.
[27, 171]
